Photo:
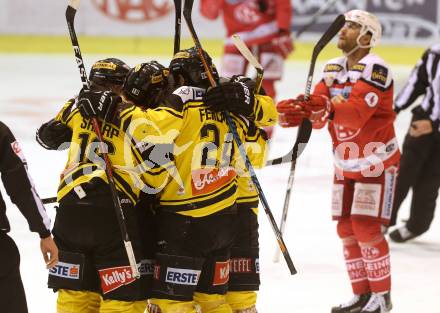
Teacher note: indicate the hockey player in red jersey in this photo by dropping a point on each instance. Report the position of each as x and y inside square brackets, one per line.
[355, 96]
[264, 25]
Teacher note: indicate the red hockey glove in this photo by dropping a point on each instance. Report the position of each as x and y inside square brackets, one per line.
[283, 43]
[291, 113]
[319, 108]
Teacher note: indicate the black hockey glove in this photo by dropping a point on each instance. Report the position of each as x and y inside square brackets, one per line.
[54, 135]
[235, 97]
[99, 104]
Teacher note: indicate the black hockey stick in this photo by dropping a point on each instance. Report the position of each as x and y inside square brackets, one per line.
[187, 9]
[49, 200]
[177, 25]
[70, 17]
[305, 129]
[315, 17]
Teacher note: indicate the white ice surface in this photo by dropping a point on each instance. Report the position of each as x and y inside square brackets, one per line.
[33, 88]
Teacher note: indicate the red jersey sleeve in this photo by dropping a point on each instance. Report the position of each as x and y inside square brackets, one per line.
[211, 8]
[321, 89]
[283, 10]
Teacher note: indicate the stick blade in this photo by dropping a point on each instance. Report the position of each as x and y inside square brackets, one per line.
[74, 4]
[244, 50]
[331, 32]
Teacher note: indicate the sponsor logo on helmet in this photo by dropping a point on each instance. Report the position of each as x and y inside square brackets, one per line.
[182, 55]
[104, 65]
[65, 270]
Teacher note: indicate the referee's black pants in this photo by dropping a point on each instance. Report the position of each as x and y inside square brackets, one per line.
[12, 296]
[419, 170]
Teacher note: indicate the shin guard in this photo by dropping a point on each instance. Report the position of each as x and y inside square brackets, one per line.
[376, 257]
[356, 267]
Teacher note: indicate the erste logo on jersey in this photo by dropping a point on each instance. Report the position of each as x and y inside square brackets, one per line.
[66, 270]
[182, 276]
[134, 11]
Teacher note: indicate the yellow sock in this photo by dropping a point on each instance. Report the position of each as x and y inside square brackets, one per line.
[241, 300]
[212, 303]
[115, 306]
[173, 306]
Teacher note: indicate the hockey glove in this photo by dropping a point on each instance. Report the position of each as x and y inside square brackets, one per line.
[235, 97]
[319, 107]
[291, 113]
[99, 104]
[53, 134]
[283, 43]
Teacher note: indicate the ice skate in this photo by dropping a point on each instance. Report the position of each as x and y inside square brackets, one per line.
[354, 305]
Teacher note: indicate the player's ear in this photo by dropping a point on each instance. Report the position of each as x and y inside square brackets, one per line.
[365, 39]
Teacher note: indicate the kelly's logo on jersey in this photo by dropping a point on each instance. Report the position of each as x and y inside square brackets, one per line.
[134, 11]
[115, 277]
[221, 273]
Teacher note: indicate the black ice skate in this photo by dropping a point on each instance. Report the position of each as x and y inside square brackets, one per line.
[401, 234]
[354, 305]
[378, 303]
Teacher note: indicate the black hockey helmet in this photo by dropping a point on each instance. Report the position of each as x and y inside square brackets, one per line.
[144, 83]
[188, 64]
[108, 73]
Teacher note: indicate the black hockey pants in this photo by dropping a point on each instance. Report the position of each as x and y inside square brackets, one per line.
[12, 296]
[419, 170]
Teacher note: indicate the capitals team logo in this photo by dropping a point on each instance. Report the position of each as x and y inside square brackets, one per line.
[134, 11]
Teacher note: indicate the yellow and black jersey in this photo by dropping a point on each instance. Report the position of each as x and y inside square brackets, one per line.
[204, 155]
[265, 111]
[139, 145]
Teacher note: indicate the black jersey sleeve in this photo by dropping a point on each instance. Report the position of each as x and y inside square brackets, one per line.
[19, 185]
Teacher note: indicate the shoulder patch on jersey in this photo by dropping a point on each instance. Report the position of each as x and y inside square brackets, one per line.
[333, 67]
[359, 67]
[371, 99]
[379, 74]
[187, 93]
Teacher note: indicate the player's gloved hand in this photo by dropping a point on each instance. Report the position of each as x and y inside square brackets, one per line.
[319, 108]
[98, 104]
[283, 43]
[291, 113]
[53, 134]
[235, 97]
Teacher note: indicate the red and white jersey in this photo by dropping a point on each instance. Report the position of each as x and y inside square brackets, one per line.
[364, 141]
[255, 25]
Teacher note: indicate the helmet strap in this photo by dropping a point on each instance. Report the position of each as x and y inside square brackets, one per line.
[363, 32]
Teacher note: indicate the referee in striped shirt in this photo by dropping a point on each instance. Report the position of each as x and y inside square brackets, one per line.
[420, 166]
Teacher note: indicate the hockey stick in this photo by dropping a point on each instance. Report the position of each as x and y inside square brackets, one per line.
[49, 200]
[247, 54]
[315, 17]
[70, 17]
[305, 129]
[187, 9]
[177, 25]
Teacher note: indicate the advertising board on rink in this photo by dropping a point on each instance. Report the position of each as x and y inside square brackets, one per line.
[404, 21]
